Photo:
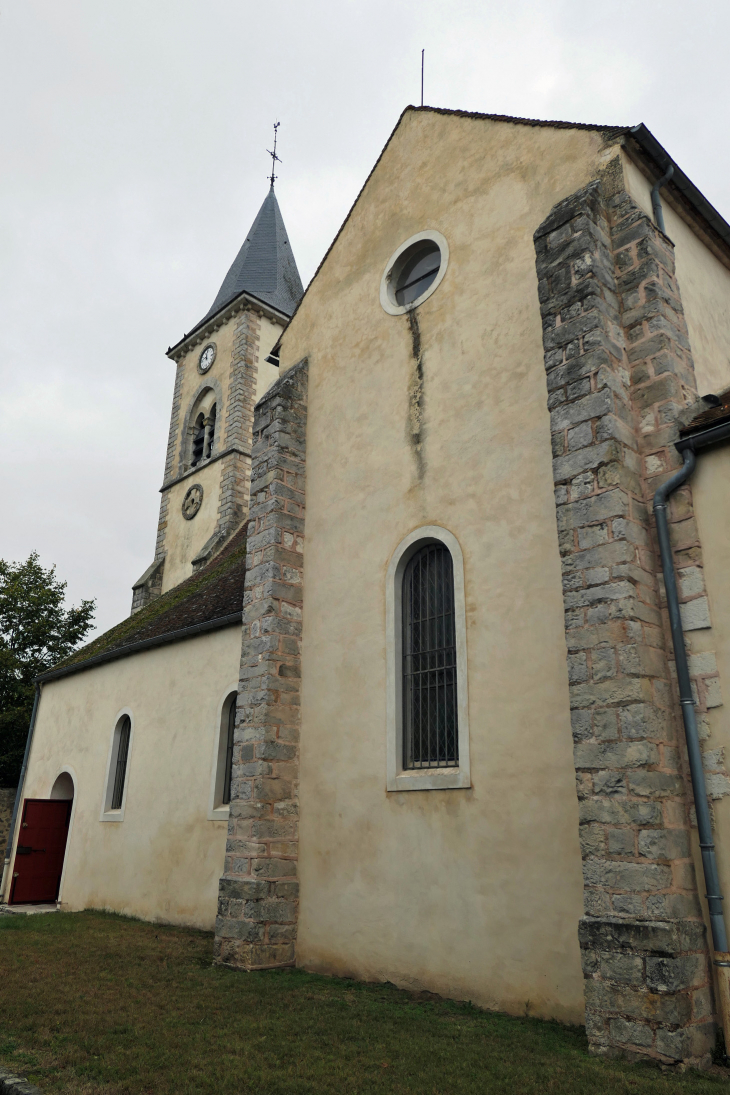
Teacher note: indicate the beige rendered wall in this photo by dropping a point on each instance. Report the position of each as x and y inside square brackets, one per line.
[164, 860]
[184, 538]
[268, 374]
[704, 283]
[471, 893]
[710, 487]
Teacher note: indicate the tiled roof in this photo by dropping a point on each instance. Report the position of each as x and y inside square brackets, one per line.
[716, 410]
[209, 599]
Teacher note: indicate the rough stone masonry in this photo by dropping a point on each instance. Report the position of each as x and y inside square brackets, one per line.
[258, 895]
[619, 371]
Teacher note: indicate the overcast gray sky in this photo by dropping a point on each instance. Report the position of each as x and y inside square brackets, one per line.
[134, 137]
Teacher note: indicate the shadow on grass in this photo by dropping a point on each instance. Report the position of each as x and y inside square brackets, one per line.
[95, 1002]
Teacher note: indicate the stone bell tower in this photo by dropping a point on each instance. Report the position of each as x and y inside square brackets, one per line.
[223, 366]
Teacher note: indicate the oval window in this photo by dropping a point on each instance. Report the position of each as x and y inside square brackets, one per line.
[414, 272]
[421, 264]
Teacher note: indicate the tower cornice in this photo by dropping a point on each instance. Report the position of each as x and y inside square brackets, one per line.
[244, 301]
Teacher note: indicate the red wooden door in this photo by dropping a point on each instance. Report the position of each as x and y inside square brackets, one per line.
[41, 847]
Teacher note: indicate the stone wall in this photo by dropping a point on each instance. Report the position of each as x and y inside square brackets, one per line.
[619, 370]
[241, 396]
[7, 801]
[258, 903]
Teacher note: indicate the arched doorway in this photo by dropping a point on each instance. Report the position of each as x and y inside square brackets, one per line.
[41, 847]
[63, 788]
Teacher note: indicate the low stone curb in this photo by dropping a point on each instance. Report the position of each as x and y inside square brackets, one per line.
[10, 1084]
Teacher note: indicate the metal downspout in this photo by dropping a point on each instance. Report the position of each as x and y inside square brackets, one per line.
[656, 202]
[694, 752]
[19, 793]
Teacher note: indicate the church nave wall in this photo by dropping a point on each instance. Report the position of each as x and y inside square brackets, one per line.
[163, 861]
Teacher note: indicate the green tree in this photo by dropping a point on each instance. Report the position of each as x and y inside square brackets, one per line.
[36, 631]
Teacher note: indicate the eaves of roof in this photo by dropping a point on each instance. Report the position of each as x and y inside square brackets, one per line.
[715, 411]
[144, 644]
[206, 601]
[680, 183]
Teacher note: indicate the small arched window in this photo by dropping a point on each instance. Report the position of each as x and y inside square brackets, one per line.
[228, 762]
[430, 711]
[202, 429]
[116, 780]
[120, 768]
[221, 777]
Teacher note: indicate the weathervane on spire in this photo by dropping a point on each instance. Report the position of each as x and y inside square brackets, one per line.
[274, 158]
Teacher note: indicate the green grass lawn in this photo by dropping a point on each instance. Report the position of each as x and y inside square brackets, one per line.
[92, 1003]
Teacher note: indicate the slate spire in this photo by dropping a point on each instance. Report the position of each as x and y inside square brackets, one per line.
[265, 266]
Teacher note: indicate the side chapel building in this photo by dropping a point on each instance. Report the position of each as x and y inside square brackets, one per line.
[406, 591]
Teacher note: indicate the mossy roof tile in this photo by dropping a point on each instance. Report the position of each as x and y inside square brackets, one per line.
[214, 593]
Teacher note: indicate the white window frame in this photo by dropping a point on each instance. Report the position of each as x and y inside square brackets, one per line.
[217, 811]
[393, 266]
[419, 779]
[107, 814]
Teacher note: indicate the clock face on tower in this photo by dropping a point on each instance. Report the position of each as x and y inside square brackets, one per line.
[207, 357]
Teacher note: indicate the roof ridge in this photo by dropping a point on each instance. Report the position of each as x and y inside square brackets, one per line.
[555, 124]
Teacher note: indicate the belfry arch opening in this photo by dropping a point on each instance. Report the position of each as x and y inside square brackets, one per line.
[201, 440]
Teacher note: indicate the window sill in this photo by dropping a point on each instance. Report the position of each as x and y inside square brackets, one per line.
[433, 779]
[220, 813]
[112, 815]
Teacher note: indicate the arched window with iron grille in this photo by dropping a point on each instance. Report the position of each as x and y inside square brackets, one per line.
[430, 703]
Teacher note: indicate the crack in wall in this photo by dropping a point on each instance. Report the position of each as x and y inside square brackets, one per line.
[416, 396]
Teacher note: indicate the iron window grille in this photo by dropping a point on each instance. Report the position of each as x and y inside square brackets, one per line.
[430, 718]
[121, 769]
[228, 770]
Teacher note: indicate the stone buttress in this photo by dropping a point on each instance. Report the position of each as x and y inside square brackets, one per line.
[258, 898]
[619, 372]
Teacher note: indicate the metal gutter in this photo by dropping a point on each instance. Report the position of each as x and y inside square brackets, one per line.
[689, 446]
[698, 441]
[680, 182]
[144, 644]
[19, 792]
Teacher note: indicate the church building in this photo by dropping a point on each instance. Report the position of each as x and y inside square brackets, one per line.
[424, 683]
